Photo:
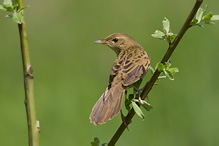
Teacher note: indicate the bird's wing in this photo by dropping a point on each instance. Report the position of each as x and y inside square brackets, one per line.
[116, 69]
[135, 68]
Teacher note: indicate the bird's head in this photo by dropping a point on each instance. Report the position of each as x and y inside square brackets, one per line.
[118, 42]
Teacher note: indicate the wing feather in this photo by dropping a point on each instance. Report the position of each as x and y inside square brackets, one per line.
[135, 67]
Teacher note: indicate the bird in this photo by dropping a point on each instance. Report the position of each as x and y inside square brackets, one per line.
[131, 65]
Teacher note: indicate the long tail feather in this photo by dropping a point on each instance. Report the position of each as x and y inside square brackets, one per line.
[108, 105]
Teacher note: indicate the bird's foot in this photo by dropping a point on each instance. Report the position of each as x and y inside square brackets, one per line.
[139, 92]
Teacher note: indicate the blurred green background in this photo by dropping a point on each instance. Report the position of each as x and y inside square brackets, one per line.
[71, 73]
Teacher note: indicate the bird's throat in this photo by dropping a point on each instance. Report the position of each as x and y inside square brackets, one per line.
[116, 50]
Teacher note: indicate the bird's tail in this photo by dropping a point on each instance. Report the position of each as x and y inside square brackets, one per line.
[108, 105]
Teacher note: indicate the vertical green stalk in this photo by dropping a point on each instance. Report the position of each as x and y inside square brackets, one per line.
[33, 128]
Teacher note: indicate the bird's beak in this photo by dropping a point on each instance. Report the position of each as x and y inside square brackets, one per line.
[101, 42]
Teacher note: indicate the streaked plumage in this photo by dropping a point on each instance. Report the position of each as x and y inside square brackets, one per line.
[131, 64]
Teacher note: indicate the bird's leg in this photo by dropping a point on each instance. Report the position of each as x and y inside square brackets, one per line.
[136, 87]
[144, 86]
[123, 120]
[139, 92]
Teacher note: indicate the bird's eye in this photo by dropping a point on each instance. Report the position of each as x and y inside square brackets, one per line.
[115, 40]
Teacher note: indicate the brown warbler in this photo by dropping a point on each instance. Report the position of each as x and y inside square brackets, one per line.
[131, 65]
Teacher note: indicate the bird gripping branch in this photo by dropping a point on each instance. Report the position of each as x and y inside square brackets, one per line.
[131, 65]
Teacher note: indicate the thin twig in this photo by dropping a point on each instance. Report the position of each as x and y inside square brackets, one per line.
[33, 129]
[153, 79]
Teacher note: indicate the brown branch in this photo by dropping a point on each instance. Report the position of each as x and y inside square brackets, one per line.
[153, 79]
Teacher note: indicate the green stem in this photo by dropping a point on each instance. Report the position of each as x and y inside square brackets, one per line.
[33, 126]
[153, 79]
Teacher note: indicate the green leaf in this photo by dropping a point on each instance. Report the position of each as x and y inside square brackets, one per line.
[167, 34]
[173, 70]
[162, 77]
[9, 16]
[15, 3]
[194, 21]
[147, 105]
[170, 37]
[7, 3]
[208, 16]
[135, 100]
[166, 26]
[199, 25]
[95, 142]
[215, 18]
[206, 8]
[156, 83]
[201, 18]
[159, 35]
[168, 74]
[137, 110]
[168, 64]
[208, 22]
[207, 19]
[21, 9]
[160, 67]
[199, 14]
[152, 69]
[131, 96]
[2, 8]
[127, 104]
[17, 17]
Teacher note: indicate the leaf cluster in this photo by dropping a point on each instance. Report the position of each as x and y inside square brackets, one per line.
[11, 6]
[166, 70]
[134, 100]
[96, 142]
[202, 18]
[166, 34]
